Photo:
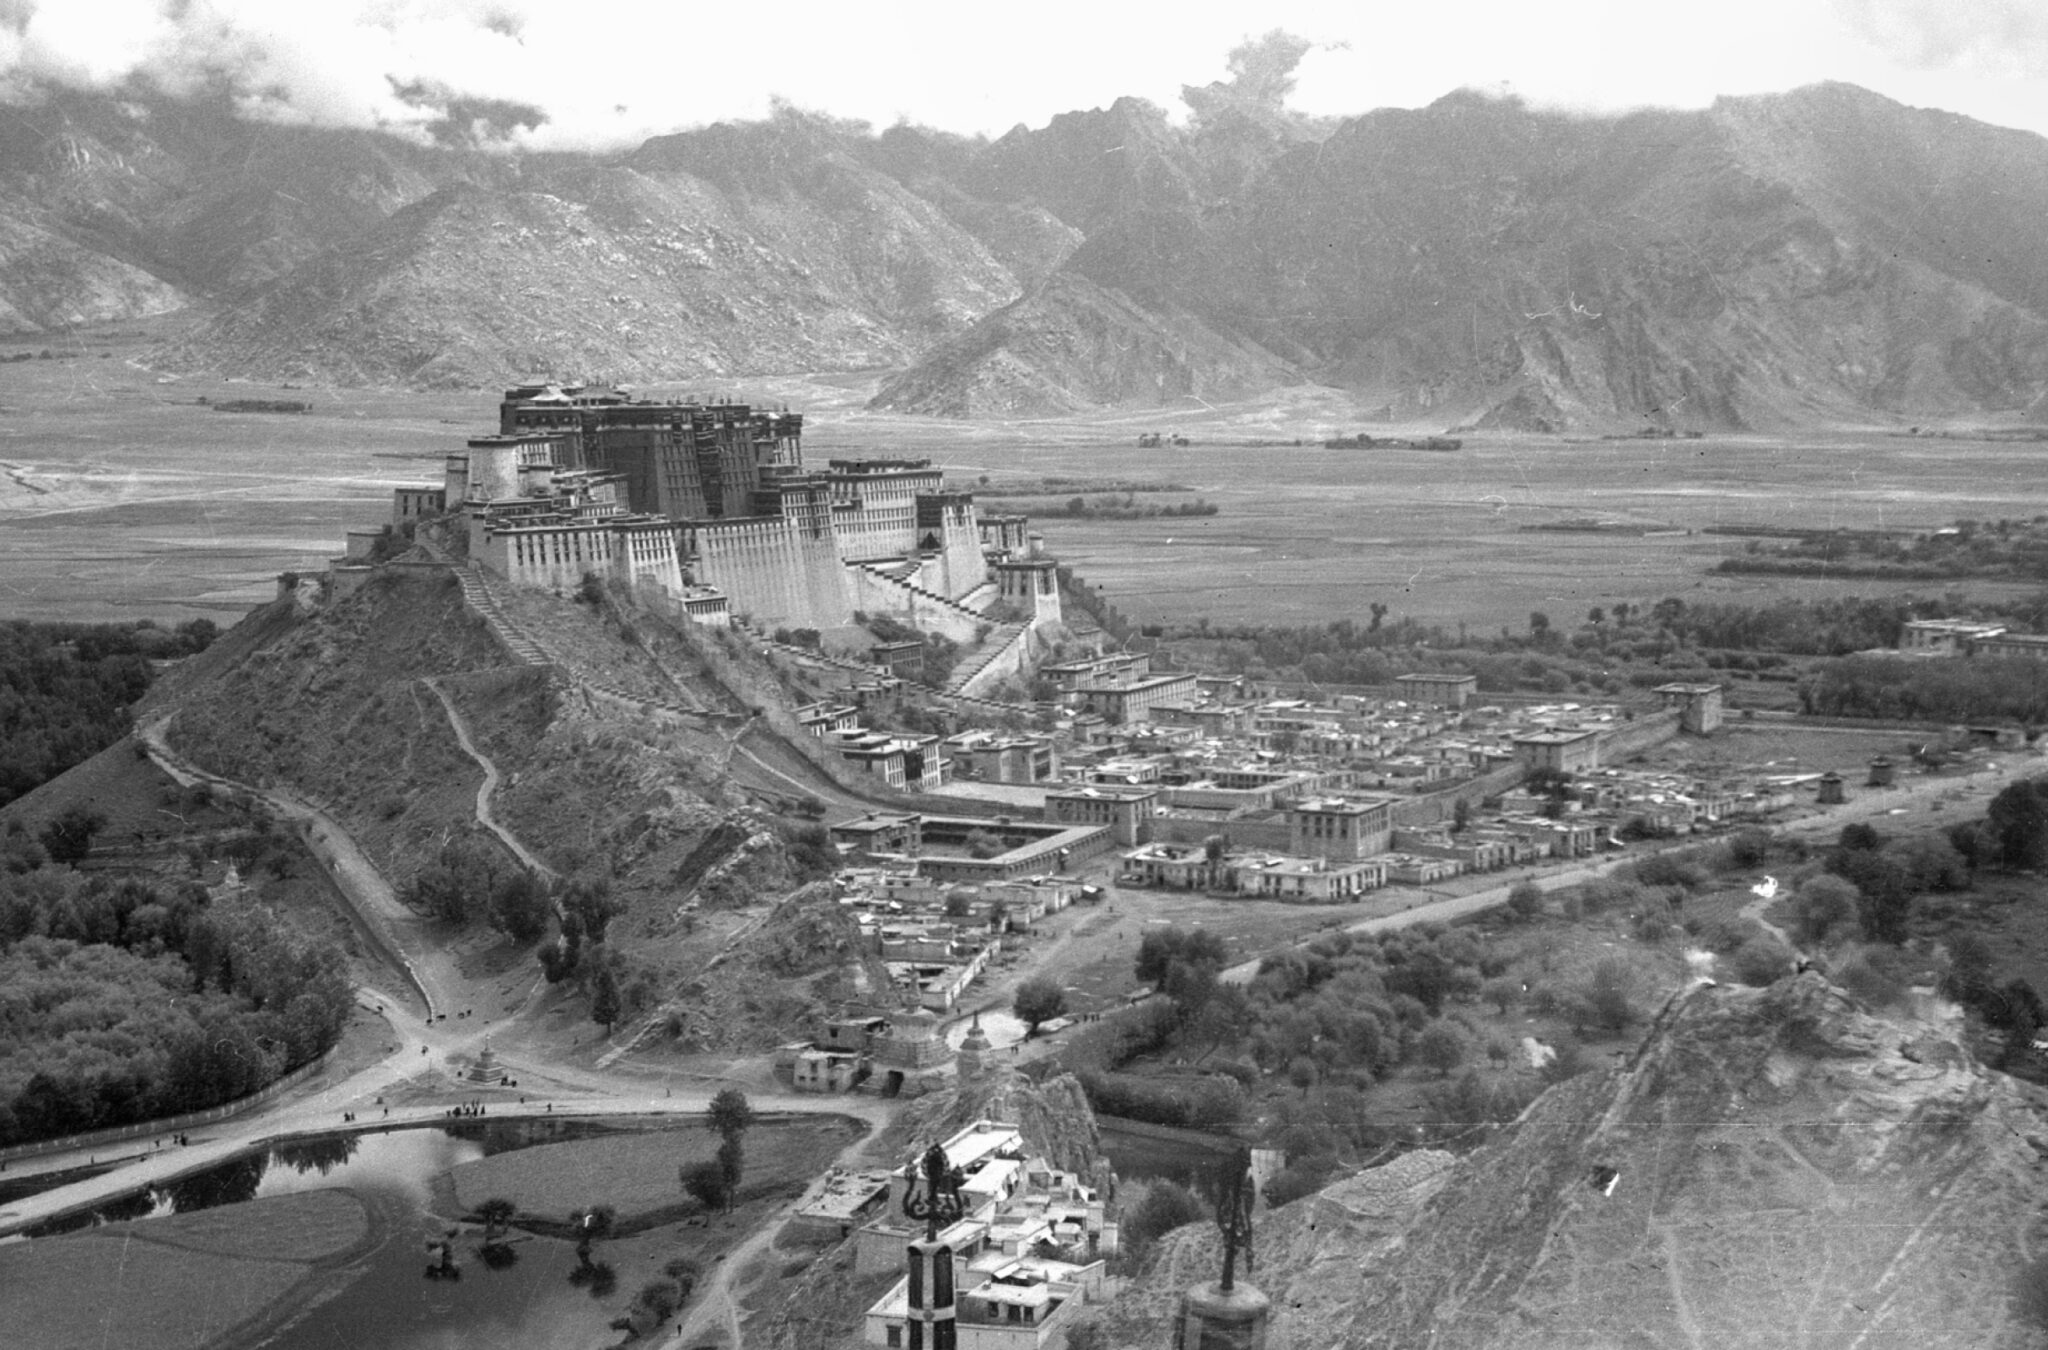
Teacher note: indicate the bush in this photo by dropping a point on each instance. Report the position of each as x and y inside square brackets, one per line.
[1669, 869]
[1871, 979]
[1569, 1062]
[1525, 901]
[1652, 928]
[1440, 1046]
[1750, 846]
[1607, 998]
[1762, 961]
[1165, 1206]
[1825, 911]
[1293, 1182]
[1474, 1100]
[705, 1183]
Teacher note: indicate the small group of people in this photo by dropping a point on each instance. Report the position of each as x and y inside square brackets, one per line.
[467, 1109]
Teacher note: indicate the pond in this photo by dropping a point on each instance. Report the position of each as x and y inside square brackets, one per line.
[530, 1293]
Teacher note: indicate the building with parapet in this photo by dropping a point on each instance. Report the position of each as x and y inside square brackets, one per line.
[1447, 691]
[1565, 751]
[1700, 707]
[712, 504]
[1944, 637]
[1340, 829]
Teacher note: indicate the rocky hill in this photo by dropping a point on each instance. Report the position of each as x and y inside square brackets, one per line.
[1773, 1167]
[1770, 261]
[378, 706]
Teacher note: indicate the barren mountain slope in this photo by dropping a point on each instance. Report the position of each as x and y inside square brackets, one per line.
[1788, 1170]
[1774, 260]
[1073, 345]
[198, 199]
[637, 270]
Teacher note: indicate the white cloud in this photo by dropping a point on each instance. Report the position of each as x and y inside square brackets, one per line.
[610, 72]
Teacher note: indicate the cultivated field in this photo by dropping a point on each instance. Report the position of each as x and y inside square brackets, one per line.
[121, 496]
[172, 1283]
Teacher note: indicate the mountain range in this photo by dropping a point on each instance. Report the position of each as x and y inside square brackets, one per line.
[1771, 261]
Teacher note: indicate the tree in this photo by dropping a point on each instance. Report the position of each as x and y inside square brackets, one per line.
[605, 1003]
[705, 1183]
[1884, 891]
[2017, 821]
[68, 836]
[1161, 947]
[1525, 900]
[1608, 995]
[1441, 1047]
[732, 1166]
[729, 1116]
[1038, 1000]
[494, 1214]
[520, 907]
[1825, 910]
[593, 1225]
[1502, 993]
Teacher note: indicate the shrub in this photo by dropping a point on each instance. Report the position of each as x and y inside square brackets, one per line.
[1608, 995]
[1669, 869]
[1569, 1061]
[1871, 979]
[1652, 927]
[1293, 1182]
[1750, 846]
[1825, 910]
[1165, 1206]
[1473, 1100]
[1761, 961]
[1440, 1046]
[705, 1183]
[1525, 901]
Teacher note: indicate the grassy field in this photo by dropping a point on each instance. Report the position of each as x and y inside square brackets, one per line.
[173, 1283]
[635, 1173]
[121, 495]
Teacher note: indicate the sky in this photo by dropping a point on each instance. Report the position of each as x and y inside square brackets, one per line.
[608, 73]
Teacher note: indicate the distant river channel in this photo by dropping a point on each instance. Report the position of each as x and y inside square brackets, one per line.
[384, 1299]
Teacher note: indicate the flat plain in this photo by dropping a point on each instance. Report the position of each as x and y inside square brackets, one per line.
[122, 496]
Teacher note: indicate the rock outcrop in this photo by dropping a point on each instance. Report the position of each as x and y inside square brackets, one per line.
[1773, 1167]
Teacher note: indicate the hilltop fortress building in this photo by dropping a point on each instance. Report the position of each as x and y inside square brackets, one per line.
[712, 504]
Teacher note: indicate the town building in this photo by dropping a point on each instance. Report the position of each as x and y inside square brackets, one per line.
[1564, 751]
[1944, 637]
[1444, 691]
[1340, 829]
[1127, 811]
[1700, 709]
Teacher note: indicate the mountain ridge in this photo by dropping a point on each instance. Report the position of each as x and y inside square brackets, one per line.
[1769, 261]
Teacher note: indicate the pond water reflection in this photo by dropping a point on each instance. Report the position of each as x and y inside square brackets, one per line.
[425, 1284]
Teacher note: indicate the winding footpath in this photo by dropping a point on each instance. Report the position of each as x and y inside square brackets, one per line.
[488, 788]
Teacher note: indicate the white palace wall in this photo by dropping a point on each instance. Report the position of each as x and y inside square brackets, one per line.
[775, 573]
